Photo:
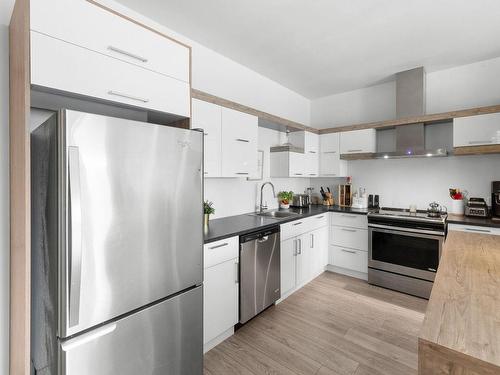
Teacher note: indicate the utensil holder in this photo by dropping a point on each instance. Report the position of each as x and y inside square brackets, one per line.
[457, 207]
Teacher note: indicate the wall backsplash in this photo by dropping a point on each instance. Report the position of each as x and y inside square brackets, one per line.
[401, 182]
[235, 196]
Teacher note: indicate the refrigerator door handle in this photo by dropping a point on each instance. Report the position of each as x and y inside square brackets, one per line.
[87, 337]
[75, 235]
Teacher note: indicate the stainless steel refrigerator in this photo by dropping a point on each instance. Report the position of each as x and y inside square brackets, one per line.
[117, 233]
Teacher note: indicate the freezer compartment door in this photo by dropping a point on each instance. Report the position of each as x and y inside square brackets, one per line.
[133, 217]
[166, 338]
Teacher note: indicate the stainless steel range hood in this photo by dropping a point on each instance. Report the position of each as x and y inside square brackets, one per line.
[410, 101]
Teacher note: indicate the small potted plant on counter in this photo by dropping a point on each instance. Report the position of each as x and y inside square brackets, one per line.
[208, 209]
[285, 197]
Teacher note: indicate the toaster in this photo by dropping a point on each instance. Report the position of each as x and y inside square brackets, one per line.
[476, 207]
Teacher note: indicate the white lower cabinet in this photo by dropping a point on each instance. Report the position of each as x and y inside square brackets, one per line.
[304, 252]
[220, 291]
[348, 250]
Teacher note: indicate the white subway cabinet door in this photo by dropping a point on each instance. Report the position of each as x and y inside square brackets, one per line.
[312, 163]
[476, 130]
[207, 116]
[330, 164]
[358, 141]
[220, 299]
[288, 268]
[90, 26]
[297, 164]
[62, 66]
[350, 259]
[318, 242]
[239, 144]
[305, 259]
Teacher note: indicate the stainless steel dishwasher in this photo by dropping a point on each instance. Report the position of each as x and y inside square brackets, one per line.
[259, 271]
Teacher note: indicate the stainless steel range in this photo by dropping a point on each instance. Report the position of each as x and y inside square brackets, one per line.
[405, 248]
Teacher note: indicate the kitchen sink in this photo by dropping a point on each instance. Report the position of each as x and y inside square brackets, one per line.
[276, 214]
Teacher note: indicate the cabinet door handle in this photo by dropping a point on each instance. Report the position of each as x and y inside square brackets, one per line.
[320, 217]
[330, 152]
[312, 152]
[300, 245]
[479, 142]
[354, 150]
[129, 54]
[242, 140]
[348, 251]
[237, 273]
[297, 174]
[349, 216]
[349, 230]
[242, 173]
[217, 246]
[312, 240]
[478, 230]
[205, 133]
[127, 96]
[300, 222]
[312, 174]
[295, 248]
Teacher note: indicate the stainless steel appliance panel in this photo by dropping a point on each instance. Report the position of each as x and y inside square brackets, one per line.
[404, 252]
[166, 338]
[131, 213]
[259, 272]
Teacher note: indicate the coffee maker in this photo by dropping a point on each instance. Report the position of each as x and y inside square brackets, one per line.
[495, 199]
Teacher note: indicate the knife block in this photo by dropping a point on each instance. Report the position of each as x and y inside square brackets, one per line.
[329, 200]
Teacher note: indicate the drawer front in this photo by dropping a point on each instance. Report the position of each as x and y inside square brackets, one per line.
[294, 228]
[349, 220]
[355, 260]
[474, 229]
[318, 221]
[220, 251]
[352, 238]
[54, 63]
[111, 35]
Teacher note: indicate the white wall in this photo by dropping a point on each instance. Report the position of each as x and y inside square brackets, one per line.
[401, 182]
[235, 196]
[220, 76]
[4, 200]
[462, 87]
[375, 103]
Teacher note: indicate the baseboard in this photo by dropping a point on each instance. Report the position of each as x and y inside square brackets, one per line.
[344, 271]
[216, 341]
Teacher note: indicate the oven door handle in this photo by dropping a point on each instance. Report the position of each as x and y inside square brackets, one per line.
[401, 230]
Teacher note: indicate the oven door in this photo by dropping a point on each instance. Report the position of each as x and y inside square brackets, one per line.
[404, 252]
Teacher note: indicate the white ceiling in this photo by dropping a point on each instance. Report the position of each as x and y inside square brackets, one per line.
[322, 47]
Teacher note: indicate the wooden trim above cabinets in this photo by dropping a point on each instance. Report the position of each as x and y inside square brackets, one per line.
[357, 156]
[433, 118]
[20, 188]
[197, 94]
[477, 150]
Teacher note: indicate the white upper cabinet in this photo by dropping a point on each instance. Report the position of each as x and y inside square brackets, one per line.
[87, 25]
[80, 48]
[309, 166]
[239, 144]
[207, 116]
[62, 66]
[476, 130]
[358, 141]
[330, 164]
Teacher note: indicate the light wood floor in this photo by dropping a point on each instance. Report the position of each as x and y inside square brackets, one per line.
[333, 325]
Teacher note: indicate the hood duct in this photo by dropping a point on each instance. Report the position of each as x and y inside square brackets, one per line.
[410, 102]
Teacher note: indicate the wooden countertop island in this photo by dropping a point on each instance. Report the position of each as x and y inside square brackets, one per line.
[461, 330]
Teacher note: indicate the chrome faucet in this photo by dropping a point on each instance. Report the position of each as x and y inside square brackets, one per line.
[262, 207]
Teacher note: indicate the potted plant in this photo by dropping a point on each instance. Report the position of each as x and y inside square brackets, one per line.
[285, 197]
[208, 209]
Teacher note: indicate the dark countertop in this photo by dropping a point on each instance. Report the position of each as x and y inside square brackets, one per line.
[230, 226]
[479, 221]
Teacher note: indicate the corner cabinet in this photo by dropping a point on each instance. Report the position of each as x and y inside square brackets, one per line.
[220, 290]
[295, 163]
[304, 252]
[330, 164]
[477, 134]
[358, 143]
